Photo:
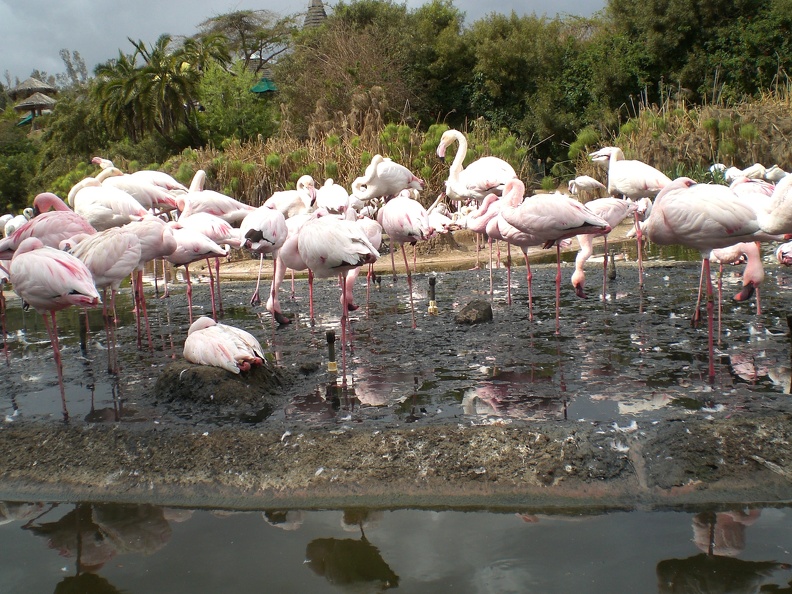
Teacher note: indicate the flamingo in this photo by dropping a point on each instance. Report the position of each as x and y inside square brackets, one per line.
[111, 256]
[104, 206]
[404, 220]
[158, 178]
[192, 246]
[332, 197]
[584, 184]
[51, 227]
[222, 233]
[631, 179]
[704, 217]
[149, 195]
[330, 246]
[156, 241]
[199, 200]
[49, 280]
[220, 345]
[263, 231]
[783, 253]
[288, 256]
[484, 176]
[478, 220]
[614, 211]
[297, 201]
[384, 178]
[551, 218]
[15, 222]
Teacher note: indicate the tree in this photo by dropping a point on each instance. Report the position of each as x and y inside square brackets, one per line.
[254, 36]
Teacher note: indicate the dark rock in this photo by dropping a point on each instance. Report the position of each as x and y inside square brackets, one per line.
[204, 384]
[475, 312]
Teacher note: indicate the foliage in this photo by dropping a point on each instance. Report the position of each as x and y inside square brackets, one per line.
[230, 110]
[18, 161]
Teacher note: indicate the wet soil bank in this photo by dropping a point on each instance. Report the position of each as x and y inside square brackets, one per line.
[686, 462]
[659, 461]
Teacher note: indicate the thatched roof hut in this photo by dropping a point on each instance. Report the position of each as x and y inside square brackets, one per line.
[36, 103]
[29, 87]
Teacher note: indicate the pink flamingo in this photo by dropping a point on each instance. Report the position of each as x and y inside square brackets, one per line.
[111, 256]
[332, 197]
[584, 185]
[614, 211]
[149, 195]
[634, 180]
[222, 233]
[404, 220]
[704, 217]
[106, 206]
[192, 246]
[51, 227]
[220, 345]
[477, 222]
[383, 179]
[288, 257]
[551, 218]
[158, 178]
[49, 280]
[484, 176]
[748, 252]
[263, 231]
[220, 205]
[330, 246]
[156, 242]
[297, 201]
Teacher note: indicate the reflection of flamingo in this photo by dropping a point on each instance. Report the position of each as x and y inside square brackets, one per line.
[219, 345]
[49, 280]
[404, 220]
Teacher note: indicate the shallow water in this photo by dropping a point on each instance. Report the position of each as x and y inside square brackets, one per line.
[632, 356]
[94, 548]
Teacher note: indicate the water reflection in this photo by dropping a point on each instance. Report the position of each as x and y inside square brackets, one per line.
[148, 548]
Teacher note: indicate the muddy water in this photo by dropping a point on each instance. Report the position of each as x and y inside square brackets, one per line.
[124, 548]
[633, 355]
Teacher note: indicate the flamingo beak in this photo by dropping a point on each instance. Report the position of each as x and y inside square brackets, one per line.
[746, 293]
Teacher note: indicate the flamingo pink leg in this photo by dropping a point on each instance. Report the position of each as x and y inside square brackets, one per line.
[710, 340]
[189, 292]
[409, 287]
[490, 267]
[52, 331]
[558, 289]
[344, 318]
[605, 269]
[528, 279]
[310, 295]
[639, 241]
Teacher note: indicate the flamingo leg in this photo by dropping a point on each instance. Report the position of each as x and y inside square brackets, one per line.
[478, 250]
[639, 242]
[605, 270]
[219, 293]
[310, 295]
[189, 292]
[211, 288]
[344, 317]
[710, 341]
[292, 284]
[3, 320]
[255, 299]
[694, 321]
[720, 299]
[490, 267]
[52, 330]
[393, 261]
[528, 279]
[558, 289]
[144, 307]
[409, 287]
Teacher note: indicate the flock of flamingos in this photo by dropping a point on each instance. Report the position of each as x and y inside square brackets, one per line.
[61, 254]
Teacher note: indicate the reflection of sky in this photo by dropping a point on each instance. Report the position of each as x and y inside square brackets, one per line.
[429, 551]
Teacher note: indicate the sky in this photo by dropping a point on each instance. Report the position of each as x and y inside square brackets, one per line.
[32, 32]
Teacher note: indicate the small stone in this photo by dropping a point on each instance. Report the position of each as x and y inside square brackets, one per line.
[475, 312]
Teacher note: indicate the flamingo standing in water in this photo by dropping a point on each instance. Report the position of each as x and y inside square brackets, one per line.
[192, 246]
[404, 220]
[634, 180]
[704, 217]
[384, 178]
[220, 345]
[111, 256]
[614, 211]
[263, 231]
[49, 280]
[330, 246]
[484, 176]
[552, 218]
[748, 252]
